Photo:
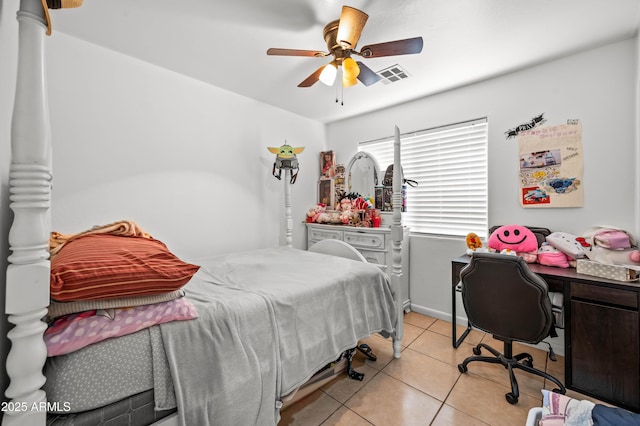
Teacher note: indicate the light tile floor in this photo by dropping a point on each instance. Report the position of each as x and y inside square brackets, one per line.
[424, 386]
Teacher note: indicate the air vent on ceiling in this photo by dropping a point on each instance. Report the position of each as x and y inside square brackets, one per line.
[392, 74]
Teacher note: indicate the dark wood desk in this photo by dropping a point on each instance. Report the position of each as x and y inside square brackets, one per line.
[602, 332]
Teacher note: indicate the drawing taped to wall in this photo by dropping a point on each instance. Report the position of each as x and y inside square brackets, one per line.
[551, 166]
[540, 159]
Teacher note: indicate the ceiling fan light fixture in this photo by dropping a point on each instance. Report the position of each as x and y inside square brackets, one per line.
[328, 74]
[351, 24]
[350, 69]
[348, 82]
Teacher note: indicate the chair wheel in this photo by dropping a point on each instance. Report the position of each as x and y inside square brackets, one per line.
[476, 350]
[462, 368]
[511, 398]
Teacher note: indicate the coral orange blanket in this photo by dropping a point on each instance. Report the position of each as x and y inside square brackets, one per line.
[124, 228]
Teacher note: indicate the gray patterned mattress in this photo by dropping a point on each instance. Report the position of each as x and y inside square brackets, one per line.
[111, 383]
[109, 371]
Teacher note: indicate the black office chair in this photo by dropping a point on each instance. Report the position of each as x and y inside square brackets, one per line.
[504, 298]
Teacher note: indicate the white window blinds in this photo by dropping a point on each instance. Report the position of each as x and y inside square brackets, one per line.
[450, 165]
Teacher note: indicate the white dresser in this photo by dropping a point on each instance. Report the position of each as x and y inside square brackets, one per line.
[373, 243]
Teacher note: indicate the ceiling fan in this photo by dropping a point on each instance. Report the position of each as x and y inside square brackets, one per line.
[341, 37]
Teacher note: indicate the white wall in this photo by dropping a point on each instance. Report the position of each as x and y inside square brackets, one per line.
[187, 161]
[595, 87]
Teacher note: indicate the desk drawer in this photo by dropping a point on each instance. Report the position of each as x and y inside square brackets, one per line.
[364, 240]
[601, 294]
[554, 284]
[316, 235]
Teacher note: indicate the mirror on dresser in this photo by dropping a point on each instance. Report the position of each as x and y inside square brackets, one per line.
[362, 174]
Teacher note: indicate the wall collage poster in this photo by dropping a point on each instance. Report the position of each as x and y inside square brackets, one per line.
[551, 166]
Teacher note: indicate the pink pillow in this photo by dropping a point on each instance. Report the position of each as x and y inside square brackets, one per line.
[72, 332]
[516, 238]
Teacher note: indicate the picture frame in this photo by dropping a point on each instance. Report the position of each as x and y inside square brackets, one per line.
[379, 197]
[327, 193]
[387, 198]
[327, 164]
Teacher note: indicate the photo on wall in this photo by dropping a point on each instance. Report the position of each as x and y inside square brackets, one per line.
[327, 164]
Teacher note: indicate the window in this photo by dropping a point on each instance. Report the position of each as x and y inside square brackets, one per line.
[450, 165]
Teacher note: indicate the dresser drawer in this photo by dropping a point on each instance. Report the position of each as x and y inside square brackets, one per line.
[377, 257]
[316, 235]
[365, 240]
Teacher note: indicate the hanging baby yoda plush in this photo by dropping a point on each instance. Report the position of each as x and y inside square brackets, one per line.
[285, 160]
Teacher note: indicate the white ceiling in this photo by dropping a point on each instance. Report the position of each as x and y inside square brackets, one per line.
[224, 42]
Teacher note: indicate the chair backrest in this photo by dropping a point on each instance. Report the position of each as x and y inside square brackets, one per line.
[503, 297]
[337, 248]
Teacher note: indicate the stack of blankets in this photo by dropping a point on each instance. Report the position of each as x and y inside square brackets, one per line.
[109, 281]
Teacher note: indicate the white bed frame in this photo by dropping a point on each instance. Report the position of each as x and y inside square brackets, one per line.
[27, 279]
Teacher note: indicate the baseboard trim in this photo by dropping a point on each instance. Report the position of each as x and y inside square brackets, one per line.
[445, 316]
[557, 343]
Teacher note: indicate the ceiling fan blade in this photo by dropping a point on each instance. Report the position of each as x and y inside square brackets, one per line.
[312, 79]
[367, 76]
[391, 48]
[351, 24]
[295, 52]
